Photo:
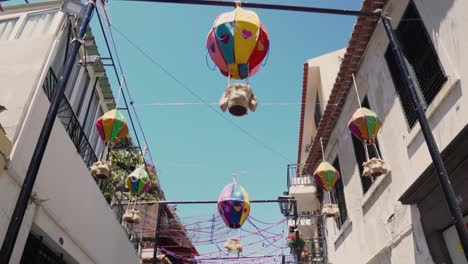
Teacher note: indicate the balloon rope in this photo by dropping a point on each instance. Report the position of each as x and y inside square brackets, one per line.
[366, 150]
[134, 205]
[357, 93]
[234, 177]
[248, 74]
[119, 92]
[109, 149]
[376, 151]
[323, 152]
[329, 196]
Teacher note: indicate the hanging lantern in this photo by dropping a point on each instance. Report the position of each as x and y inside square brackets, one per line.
[234, 205]
[138, 182]
[326, 175]
[238, 43]
[365, 125]
[112, 127]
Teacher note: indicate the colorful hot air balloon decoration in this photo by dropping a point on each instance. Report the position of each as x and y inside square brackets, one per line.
[112, 127]
[238, 43]
[365, 125]
[326, 176]
[138, 182]
[234, 205]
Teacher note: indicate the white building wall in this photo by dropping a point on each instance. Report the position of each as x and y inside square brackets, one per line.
[321, 74]
[67, 202]
[379, 228]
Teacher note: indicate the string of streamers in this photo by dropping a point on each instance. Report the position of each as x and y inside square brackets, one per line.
[263, 242]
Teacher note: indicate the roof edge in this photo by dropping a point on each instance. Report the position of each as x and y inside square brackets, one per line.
[362, 33]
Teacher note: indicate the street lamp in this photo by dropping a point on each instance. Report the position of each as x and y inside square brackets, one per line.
[286, 204]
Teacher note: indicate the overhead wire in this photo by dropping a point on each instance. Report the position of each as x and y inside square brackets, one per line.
[113, 65]
[151, 59]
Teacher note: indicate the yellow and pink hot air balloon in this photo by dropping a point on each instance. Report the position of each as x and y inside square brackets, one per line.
[138, 182]
[326, 175]
[234, 205]
[238, 43]
[112, 127]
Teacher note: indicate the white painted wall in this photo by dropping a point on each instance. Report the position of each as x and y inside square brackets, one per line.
[321, 75]
[68, 202]
[380, 229]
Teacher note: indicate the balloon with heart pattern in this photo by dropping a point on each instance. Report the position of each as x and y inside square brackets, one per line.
[234, 205]
[237, 43]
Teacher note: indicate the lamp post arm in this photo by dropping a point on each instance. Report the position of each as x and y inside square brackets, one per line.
[306, 9]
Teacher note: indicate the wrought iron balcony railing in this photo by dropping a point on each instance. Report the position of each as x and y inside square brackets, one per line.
[70, 121]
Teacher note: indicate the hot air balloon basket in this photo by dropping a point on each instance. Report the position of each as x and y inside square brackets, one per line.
[375, 167]
[101, 170]
[233, 245]
[132, 216]
[5, 150]
[238, 99]
[331, 210]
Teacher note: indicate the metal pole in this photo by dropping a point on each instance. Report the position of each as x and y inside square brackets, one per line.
[269, 6]
[212, 202]
[298, 252]
[156, 234]
[28, 184]
[438, 163]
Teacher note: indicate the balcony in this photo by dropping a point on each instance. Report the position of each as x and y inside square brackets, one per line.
[70, 121]
[302, 187]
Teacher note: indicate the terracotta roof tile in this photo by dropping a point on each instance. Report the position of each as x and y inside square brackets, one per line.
[360, 37]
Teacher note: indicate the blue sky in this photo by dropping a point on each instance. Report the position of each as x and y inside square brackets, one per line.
[195, 149]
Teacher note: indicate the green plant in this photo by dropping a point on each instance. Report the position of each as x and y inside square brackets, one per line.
[124, 161]
[294, 243]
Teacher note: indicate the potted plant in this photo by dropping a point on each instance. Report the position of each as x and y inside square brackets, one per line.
[295, 244]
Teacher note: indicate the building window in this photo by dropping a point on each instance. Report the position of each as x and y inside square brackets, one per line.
[421, 59]
[35, 251]
[317, 111]
[90, 117]
[360, 154]
[82, 90]
[72, 79]
[39, 24]
[6, 28]
[338, 196]
[62, 50]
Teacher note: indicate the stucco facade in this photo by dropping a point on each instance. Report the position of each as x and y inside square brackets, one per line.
[395, 220]
[67, 208]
